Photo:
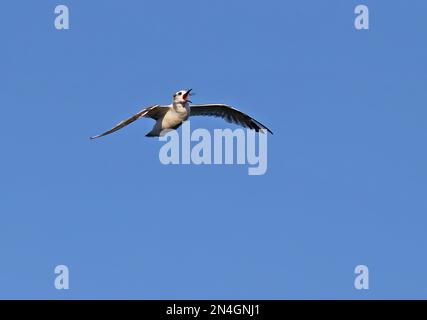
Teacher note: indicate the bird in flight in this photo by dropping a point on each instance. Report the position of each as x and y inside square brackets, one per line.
[172, 116]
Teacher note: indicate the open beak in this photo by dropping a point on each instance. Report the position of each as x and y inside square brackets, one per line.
[187, 94]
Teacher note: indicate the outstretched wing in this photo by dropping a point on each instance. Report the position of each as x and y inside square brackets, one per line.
[155, 112]
[229, 114]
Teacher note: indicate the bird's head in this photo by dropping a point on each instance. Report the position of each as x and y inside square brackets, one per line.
[182, 96]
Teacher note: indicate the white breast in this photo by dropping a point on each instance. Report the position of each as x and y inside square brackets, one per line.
[175, 116]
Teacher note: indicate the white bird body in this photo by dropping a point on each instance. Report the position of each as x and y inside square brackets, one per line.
[172, 116]
[176, 114]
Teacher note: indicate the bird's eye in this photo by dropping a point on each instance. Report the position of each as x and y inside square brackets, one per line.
[180, 93]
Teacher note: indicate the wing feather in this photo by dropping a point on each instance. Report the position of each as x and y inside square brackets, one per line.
[229, 114]
[155, 112]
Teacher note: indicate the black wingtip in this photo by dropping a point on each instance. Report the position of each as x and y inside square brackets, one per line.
[259, 126]
[268, 130]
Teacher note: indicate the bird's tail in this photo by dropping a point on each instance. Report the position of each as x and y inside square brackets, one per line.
[152, 134]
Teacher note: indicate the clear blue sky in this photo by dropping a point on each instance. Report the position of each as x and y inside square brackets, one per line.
[346, 181]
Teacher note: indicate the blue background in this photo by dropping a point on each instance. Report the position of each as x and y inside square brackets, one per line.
[346, 179]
